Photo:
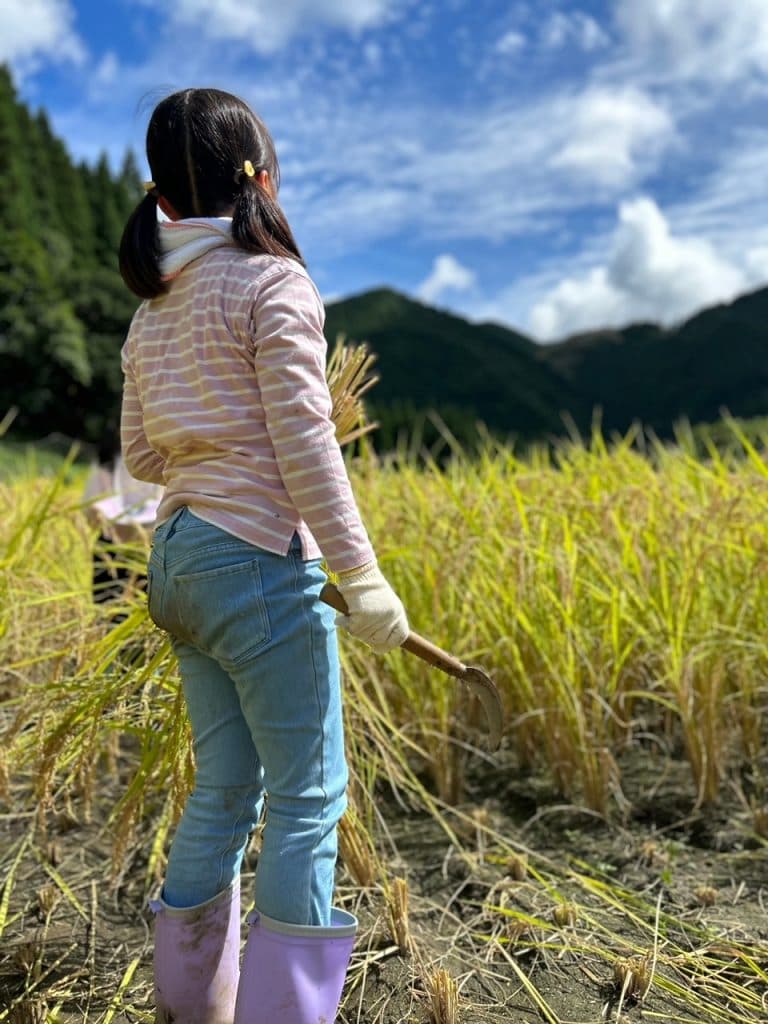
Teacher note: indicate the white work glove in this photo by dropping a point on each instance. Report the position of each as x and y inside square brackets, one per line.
[376, 614]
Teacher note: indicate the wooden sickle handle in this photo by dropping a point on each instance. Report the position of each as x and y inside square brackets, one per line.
[414, 643]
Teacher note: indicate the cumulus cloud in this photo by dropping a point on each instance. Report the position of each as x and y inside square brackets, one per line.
[267, 27]
[573, 29]
[611, 132]
[447, 275]
[651, 274]
[38, 29]
[708, 39]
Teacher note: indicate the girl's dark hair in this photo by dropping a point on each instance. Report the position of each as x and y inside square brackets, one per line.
[198, 142]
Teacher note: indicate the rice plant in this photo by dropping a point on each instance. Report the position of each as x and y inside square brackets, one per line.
[616, 593]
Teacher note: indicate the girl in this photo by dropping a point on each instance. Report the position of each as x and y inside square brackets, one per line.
[225, 403]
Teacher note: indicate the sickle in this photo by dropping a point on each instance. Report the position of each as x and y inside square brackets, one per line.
[476, 679]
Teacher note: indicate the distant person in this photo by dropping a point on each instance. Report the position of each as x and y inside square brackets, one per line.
[226, 403]
[123, 509]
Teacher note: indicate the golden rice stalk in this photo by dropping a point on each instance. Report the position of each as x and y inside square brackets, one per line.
[397, 912]
[632, 976]
[117, 1001]
[357, 850]
[10, 879]
[706, 895]
[5, 778]
[759, 818]
[565, 915]
[29, 1011]
[8, 419]
[443, 998]
[349, 378]
[517, 866]
[47, 898]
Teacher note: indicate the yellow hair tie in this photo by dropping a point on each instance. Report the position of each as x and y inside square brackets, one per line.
[149, 186]
[249, 169]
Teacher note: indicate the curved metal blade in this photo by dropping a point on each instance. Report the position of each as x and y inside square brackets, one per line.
[482, 686]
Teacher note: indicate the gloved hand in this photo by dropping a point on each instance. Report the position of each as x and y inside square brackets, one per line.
[376, 614]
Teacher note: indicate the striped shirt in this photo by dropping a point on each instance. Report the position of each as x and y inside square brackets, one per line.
[226, 404]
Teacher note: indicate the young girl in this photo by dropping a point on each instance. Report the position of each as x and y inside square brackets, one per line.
[225, 403]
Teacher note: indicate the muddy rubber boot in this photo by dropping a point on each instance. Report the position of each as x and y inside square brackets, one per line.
[294, 974]
[197, 950]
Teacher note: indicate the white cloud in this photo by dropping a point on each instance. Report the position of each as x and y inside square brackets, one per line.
[447, 275]
[756, 265]
[266, 26]
[650, 274]
[613, 132]
[490, 174]
[730, 205]
[510, 43]
[707, 39]
[106, 71]
[573, 29]
[38, 29]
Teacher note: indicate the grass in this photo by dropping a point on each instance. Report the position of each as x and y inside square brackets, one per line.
[617, 595]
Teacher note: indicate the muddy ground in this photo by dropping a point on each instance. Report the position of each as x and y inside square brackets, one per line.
[541, 912]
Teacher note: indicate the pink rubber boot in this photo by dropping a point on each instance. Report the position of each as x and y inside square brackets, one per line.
[294, 974]
[196, 960]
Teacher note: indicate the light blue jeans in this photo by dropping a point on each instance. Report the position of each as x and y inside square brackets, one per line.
[259, 666]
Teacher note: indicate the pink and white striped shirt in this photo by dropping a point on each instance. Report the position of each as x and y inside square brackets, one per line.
[225, 400]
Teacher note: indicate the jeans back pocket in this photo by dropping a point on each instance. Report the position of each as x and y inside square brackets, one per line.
[222, 611]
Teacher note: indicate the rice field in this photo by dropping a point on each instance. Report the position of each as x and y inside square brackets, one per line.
[610, 863]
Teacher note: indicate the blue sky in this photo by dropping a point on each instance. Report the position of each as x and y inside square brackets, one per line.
[551, 165]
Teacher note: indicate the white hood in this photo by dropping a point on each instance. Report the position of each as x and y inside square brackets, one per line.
[182, 241]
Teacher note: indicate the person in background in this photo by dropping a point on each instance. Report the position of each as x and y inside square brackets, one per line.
[123, 509]
[226, 404]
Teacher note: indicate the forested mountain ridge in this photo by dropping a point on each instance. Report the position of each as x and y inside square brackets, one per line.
[718, 359]
[431, 360]
[64, 312]
[644, 373]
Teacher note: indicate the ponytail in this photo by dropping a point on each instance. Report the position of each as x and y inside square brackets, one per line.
[139, 257]
[259, 224]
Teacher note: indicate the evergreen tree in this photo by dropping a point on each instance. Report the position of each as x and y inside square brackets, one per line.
[16, 189]
[104, 306]
[107, 202]
[130, 182]
[43, 354]
[36, 155]
[68, 198]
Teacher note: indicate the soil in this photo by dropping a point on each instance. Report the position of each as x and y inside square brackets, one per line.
[540, 912]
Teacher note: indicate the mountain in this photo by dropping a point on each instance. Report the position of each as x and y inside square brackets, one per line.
[716, 360]
[428, 359]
